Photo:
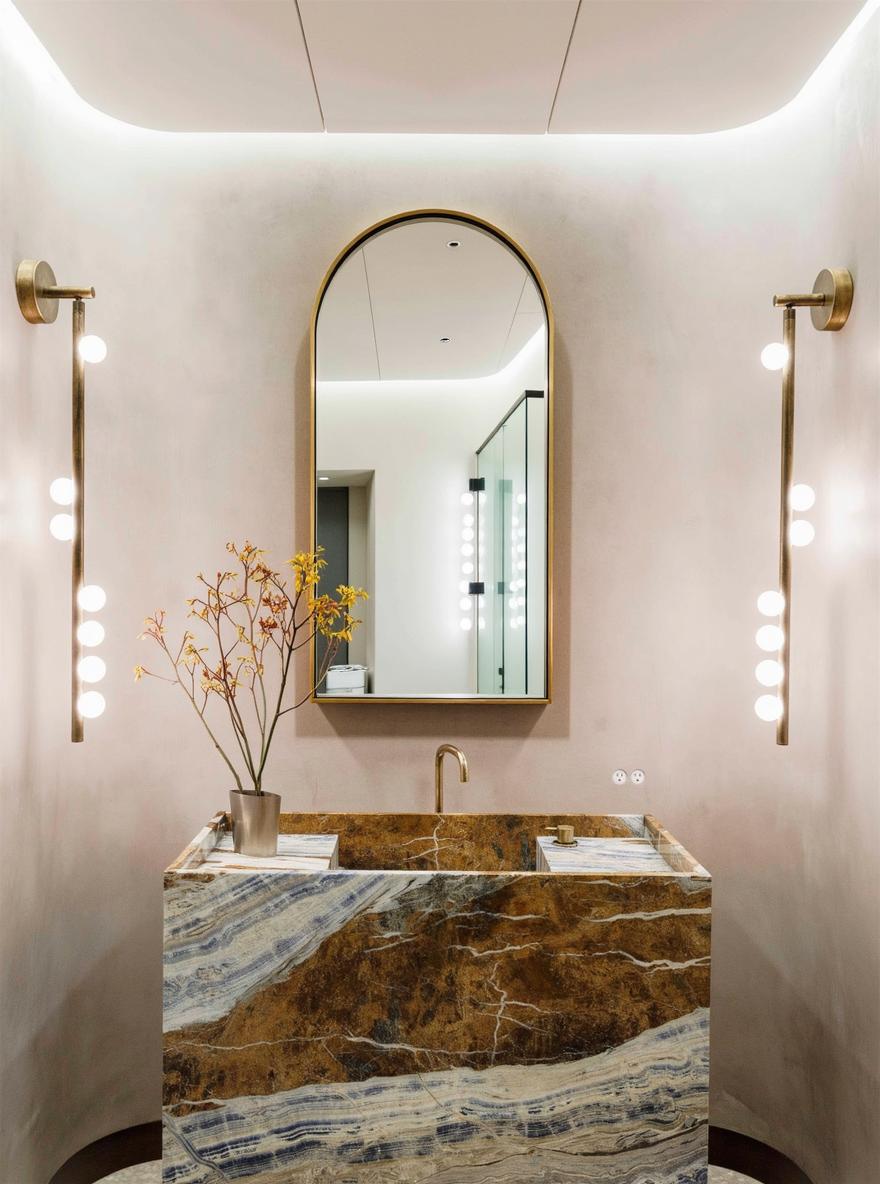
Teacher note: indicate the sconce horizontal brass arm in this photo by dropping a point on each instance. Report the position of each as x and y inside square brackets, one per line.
[56, 292]
[812, 299]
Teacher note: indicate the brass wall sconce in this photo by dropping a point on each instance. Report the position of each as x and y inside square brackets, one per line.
[38, 294]
[829, 303]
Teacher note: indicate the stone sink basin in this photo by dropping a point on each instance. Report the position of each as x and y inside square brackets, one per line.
[434, 1008]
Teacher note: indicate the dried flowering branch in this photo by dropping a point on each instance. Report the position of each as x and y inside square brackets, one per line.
[254, 626]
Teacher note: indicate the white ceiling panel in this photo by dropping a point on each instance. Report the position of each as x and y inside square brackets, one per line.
[691, 65]
[184, 65]
[437, 65]
[510, 66]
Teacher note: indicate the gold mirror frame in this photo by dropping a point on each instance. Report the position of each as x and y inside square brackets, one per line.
[353, 245]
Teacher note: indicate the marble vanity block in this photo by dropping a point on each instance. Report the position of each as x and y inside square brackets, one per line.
[434, 1009]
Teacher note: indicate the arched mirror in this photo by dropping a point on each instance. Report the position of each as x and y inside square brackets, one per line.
[432, 345]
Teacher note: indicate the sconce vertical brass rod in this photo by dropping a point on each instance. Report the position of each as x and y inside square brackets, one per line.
[78, 440]
[788, 340]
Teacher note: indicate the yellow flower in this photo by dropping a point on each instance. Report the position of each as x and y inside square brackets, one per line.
[307, 567]
[139, 673]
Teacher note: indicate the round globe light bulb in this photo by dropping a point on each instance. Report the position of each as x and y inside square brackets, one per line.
[520, 499]
[91, 704]
[769, 672]
[91, 668]
[802, 497]
[771, 604]
[92, 349]
[465, 604]
[466, 624]
[468, 520]
[768, 708]
[61, 527]
[467, 568]
[801, 533]
[467, 549]
[90, 633]
[61, 491]
[91, 598]
[467, 499]
[774, 356]
[769, 638]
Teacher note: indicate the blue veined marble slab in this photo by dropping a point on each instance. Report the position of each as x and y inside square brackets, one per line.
[440, 1023]
[633, 1115]
[600, 855]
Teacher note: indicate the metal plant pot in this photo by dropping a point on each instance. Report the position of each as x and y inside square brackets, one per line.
[255, 822]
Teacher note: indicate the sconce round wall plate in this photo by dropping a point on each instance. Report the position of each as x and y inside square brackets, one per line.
[836, 285]
[32, 278]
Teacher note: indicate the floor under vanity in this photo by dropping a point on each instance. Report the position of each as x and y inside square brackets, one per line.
[151, 1173]
[405, 998]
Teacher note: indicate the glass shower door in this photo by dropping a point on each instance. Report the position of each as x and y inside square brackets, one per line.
[505, 644]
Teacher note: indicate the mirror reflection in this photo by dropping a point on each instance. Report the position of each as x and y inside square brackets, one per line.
[431, 462]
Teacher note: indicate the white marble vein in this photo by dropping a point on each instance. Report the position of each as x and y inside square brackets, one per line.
[632, 1115]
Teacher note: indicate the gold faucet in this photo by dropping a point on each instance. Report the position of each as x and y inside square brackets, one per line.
[463, 774]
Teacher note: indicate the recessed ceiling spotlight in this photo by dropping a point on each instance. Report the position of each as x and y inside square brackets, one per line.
[323, 478]
[453, 242]
[445, 340]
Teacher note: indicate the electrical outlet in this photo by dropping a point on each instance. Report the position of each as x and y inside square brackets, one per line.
[619, 776]
[637, 776]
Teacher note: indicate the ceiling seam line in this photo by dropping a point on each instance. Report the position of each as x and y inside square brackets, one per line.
[372, 317]
[577, 13]
[512, 321]
[302, 30]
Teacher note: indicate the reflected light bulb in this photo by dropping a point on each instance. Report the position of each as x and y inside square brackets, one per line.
[91, 704]
[91, 669]
[774, 356]
[771, 604]
[61, 527]
[769, 672]
[466, 623]
[482, 623]
[768, 708]
[802, 497]
[467, 568]
[92, 349]
[467, 499]
[90, 633]
[467, 549]
[801, 533]
[61, 491]
[91, 598]
[467, 534]
[521, 499]
[465, 603]
[769, 638]
[464, 586]
[468, 520]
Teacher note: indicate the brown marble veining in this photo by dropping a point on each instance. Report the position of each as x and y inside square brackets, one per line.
[411, 968]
